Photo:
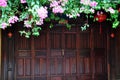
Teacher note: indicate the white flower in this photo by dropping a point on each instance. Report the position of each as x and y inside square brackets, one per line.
[111, 10]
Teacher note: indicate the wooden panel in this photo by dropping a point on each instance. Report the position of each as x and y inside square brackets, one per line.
[40, 66]
[55, 41]
[59, 66]
[85, 77]
[23, 53]
[101, 77]
[84, 40]
[23, 67]
[85, 52]
[70, 40]
[19, 41]
[100, 40]
[40, 42]
[23, 79]
[56, 62]
[56, 78]
[20, 67]
[67, 66]
[40, 78]
[56, 52]
[70, 78]
[100, 64]
[70, 61]
[69, 53]
[100, 60]
[56, 66]
[40, 53]
[73, 65]
[84, 63]
[27, 65]
[70, 65]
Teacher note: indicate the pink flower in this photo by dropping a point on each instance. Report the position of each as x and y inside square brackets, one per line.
[42, 12]
[23, 1]
[40, 22]
[4, 25]
[58, 9]
[93, 4]
[3, 3]
[54, 4]
[27, 24]
[13, 19]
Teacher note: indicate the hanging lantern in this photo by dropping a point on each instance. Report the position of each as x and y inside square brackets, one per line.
[10, 34]
[112, 35]
[100, 17]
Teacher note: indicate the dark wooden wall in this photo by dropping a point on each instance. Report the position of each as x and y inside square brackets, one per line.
[115, 56]
[57, 54]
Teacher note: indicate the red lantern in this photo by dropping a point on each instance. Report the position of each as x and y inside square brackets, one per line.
[101, 17]
[10, 34]
[112, 35]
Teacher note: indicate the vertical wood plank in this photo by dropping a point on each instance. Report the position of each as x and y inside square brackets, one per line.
[48, 54]
[20, 67]
[77, 52]
[33, 57]
[63, 51]
[108, 52]
[92, 53]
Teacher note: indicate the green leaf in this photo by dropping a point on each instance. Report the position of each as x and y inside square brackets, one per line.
[68, 26]
[43, 1]
[51, 26]
[115, 24]
[47, 19]
[25, 33]
[57, 18]
[52, 16]
[35, 33]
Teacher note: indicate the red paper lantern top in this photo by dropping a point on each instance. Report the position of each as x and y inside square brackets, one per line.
[100, 17]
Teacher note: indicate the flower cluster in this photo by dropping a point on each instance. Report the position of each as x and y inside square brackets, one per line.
[3, 3]
[56, 7]
[23, 1]
[42, 12]
[35, 12]
[13, 19]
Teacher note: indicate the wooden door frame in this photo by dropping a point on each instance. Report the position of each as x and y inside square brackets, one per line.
[0, 54]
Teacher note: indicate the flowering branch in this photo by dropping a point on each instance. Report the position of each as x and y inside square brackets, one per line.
[34, 13]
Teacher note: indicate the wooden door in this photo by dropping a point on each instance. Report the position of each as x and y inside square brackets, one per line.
[60, 54]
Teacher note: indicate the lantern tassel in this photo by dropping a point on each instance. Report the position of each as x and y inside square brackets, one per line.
[100, 29]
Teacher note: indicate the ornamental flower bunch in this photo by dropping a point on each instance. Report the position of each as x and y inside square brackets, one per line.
[34, 13]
